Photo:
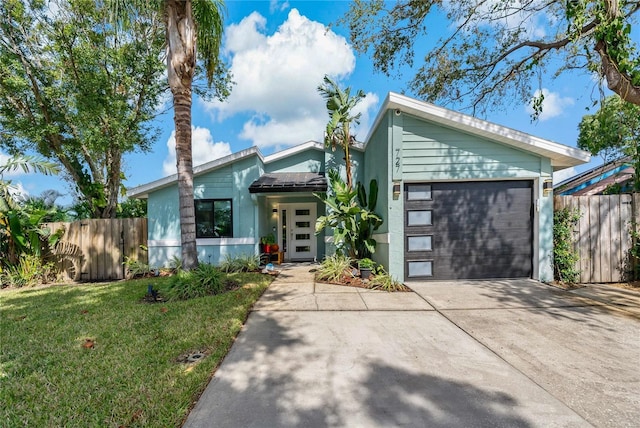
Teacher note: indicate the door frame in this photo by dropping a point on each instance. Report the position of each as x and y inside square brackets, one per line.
[290, 207]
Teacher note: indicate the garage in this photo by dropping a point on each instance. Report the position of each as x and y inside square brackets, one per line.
[468, 230]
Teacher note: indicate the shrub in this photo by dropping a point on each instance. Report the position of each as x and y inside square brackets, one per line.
[136, 268]
[564, 255]
[29, 271]
[383, 281]
[175, 264]
[202, 281]
[241, 263]
[333, 268]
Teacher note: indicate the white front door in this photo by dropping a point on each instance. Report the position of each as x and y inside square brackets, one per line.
[297, 223]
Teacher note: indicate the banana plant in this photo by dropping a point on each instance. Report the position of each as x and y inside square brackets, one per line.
[351, 216]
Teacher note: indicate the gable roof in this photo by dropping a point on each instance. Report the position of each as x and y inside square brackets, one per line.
[561, 156]
[595, 180]
[143, 190]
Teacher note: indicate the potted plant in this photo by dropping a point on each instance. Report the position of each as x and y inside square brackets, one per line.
[269, 241]
[366, 266]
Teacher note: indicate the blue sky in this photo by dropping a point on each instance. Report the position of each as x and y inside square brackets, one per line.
[279, 52]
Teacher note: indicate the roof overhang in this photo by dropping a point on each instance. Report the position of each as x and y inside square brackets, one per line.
[561, 156]
[287, 182]
[143, 191]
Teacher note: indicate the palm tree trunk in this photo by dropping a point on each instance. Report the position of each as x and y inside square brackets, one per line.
[181, 62]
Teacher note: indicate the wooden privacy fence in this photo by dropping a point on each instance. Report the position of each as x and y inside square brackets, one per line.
[603, 236]
[95, 249]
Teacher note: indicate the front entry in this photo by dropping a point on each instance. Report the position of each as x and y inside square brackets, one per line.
[297, 238]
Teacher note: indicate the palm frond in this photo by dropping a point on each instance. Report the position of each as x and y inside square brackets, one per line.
[209, 18]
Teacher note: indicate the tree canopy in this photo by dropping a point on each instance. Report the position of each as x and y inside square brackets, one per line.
[79, 91]
[495, 52]
[613, 132]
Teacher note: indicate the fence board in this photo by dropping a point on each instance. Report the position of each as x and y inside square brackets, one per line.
[94, 250]
[603, 235]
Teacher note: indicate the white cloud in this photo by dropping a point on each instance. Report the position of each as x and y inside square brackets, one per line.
[553, 104]
[275, 5]
[204, 149]
[277, 77]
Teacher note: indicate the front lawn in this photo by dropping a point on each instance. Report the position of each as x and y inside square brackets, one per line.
[97, 355]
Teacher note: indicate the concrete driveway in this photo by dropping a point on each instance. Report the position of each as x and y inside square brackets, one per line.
[486, 353]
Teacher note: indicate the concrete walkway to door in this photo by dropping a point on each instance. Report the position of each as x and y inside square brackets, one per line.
[486, 353]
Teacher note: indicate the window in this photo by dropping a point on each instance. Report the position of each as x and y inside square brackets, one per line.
[418, 192]
[421, 268]
[419, 243]
[419, 218]
[213, 218]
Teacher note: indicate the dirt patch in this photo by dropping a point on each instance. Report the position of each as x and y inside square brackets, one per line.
[565, 285]
[633, 285]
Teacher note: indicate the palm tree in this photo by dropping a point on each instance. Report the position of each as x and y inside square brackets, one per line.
[340, 105]
[193, 28]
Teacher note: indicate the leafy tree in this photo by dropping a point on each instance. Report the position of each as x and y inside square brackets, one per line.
[496, 50]
[614, 131]
[340, 105]
[79, 91]
[191, 26]
[132, 208]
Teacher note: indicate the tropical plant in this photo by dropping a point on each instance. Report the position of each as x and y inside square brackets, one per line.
[240, 263]
[21, 230]
[79, 91]
[383, 281]
[333, 268]
[340, 105]
[352, 220]
[565, 256]
[497, 50]
[190, 26]
[366, 263]
[30, 270]
[204, 280]
[135, 268]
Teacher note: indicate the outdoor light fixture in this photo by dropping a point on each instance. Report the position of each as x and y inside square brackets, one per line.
[275, 210]
[547, 187]
[396, 191]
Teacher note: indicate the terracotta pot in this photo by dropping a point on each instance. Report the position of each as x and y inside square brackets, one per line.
[274, 248]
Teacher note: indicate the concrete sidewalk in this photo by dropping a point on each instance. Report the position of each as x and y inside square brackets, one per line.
[295, 290]
[487, 353]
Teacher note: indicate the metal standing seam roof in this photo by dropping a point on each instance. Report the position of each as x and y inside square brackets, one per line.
[273, 182]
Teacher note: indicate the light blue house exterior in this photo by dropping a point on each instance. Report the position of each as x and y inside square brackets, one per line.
[455, 193]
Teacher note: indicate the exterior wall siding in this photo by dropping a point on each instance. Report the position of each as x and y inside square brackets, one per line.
[311, 160]
[376, 166]
[433, 152]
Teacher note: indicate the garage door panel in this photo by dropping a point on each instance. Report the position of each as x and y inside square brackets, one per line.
[475, 229]
[505, 266]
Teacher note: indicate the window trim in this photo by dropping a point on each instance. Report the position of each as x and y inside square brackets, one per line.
[213, 220]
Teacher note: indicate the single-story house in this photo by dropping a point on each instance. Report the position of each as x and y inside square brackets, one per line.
[460, 197]
[615, 176]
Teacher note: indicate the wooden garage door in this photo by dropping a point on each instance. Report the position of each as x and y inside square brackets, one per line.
[470, 230]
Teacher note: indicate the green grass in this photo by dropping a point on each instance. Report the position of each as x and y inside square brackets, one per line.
[131, 377]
